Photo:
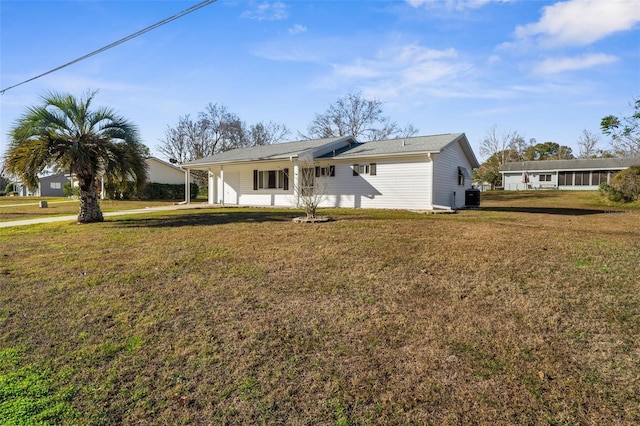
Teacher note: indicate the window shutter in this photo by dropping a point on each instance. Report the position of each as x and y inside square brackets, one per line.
[332, 170]
[317, 171]
[372, 169]
[255, 180]
[286, 179]
[356, 167]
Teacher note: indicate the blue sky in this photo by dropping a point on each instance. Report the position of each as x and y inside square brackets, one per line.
[547, 69]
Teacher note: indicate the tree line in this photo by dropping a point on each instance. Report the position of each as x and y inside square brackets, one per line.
[216, 129]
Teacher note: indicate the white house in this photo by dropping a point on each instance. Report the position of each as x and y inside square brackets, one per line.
[426, 172]
[577, 174]
[160, 171]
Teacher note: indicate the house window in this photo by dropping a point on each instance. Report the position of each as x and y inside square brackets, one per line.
[581, 178]
[599, 177]
[307, 181]
[462, 174]
[271, 179]
[55, 185]
[322, 171]
[365, 169]
[565, 178]
[545, 178]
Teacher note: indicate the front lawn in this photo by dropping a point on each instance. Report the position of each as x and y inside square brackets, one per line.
[526, 311]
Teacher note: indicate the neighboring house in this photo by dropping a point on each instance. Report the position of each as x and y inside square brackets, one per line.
[162, 172]
[426, 172]
[51, 186]
[48, 186]
[575, 174]
[158, 171]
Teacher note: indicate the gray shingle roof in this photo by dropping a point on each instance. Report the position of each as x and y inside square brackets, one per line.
[413, 145]
[576, 164]
[340, 148]
[265, 152]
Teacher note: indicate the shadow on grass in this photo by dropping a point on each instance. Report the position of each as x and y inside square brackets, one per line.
[522, 195]
[205, 219]
[549, 210]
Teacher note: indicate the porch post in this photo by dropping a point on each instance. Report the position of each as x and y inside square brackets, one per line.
[221, 195]
[296, 180]
[211, 196]
[187, 186]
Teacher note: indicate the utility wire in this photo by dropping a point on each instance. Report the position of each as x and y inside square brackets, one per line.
[115, 43]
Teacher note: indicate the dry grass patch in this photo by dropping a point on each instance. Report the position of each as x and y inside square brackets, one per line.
[238, 316]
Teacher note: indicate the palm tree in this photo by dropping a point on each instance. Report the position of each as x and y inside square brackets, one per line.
[65, 134]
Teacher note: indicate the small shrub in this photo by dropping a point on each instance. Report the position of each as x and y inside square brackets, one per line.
[624, 186]
[69, 190]
[124, 190]
[166, 191]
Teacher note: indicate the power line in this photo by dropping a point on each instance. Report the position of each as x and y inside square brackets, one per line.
[115, 43]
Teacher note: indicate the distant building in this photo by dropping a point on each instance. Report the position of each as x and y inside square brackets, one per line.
[52, 186]
[577, 174]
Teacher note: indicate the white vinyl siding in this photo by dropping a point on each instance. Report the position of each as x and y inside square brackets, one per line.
[447, 191]
[401, 184]
[162, 173]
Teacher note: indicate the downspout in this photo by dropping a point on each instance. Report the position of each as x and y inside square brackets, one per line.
[430, 206]
[187, 187]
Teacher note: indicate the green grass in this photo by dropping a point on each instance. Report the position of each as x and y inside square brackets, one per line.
[526, 311]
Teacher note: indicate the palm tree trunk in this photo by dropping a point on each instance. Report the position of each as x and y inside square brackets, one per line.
[89, 206]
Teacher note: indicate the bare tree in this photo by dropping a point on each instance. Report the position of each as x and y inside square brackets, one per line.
[587, 143]
[499, 147]
[267, 133]
[175, 143]
[509, 144]
[215, 130]
[311, 187]
[358, 117]
[222, 130]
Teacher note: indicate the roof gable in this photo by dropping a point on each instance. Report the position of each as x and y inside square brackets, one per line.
[150, 160]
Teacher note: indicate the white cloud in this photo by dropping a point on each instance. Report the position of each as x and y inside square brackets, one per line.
[297, 29]
[267, 11]
[407, 71]
[558, 65]
[581, 22]
[411, 64]
[452, 4]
